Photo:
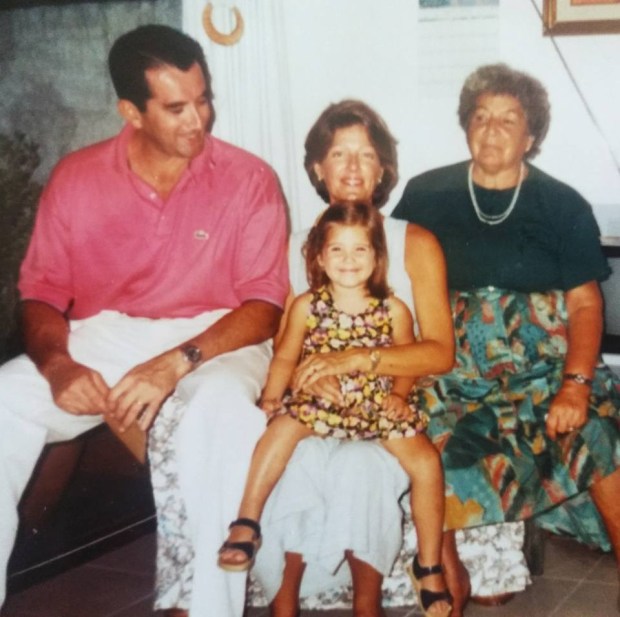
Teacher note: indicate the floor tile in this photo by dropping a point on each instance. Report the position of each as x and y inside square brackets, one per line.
[605, 571]
[567, 559]
[85, 590]
[334, 613]
[390, 612]
[137, 556]
[538, 600]
[577, 582]
[589, 599]
[142, 608]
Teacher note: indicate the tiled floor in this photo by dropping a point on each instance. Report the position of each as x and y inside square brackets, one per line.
[577, 582]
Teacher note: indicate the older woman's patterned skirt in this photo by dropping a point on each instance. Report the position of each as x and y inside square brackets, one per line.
[488, 414]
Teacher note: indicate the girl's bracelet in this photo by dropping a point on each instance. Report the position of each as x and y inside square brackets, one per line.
[375, 358]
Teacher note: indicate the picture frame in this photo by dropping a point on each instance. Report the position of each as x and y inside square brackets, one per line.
[581, 17]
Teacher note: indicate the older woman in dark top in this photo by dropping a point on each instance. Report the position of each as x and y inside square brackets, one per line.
[529, 417]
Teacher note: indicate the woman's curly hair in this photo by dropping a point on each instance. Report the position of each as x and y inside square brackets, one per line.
[501, 79]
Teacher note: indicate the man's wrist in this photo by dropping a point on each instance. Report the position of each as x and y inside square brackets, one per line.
[192, 356]
[53, 363]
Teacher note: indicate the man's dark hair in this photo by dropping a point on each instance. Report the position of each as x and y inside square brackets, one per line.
[147, 47]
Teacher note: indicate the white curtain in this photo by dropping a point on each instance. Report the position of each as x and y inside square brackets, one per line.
[251, 84]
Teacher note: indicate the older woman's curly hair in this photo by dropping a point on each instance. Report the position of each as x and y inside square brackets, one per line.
[501, 79]
[342, 115]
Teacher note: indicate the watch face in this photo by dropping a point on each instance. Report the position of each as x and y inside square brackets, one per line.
[192, 354]
[578, 378]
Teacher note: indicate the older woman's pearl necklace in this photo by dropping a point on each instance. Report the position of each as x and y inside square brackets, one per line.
[493, 219]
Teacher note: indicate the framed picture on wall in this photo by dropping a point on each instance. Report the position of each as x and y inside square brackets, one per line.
[581, 16]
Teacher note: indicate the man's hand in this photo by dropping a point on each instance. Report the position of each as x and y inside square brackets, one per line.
[138, 396]
[76, 388]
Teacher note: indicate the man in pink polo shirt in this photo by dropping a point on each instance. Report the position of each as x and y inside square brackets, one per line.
[154, 280]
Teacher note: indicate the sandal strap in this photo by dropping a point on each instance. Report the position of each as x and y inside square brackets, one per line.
[247, 522]
[246, 547]
[428, 597]
[421, 572]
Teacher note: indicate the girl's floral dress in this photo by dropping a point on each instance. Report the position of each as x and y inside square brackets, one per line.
[362, 416]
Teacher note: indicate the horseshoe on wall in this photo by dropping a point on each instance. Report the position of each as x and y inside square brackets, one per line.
[220, 37]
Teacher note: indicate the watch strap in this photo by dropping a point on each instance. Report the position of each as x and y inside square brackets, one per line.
[192, 354]
[578, 378]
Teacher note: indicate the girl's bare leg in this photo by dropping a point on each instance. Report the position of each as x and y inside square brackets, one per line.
[422, 463]
[366, 588]
[286, 602]
[273, 451]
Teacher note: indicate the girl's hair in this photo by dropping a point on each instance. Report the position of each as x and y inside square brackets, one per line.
[350, 214]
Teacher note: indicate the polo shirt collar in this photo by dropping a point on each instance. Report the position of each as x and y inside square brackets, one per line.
[204, 162]
[196, 168]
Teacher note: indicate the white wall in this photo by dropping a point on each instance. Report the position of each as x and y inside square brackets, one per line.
[371, 50]
[411, 73]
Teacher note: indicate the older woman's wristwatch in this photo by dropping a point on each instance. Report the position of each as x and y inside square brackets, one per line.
[582, 380]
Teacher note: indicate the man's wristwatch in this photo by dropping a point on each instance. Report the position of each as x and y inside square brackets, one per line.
[578, 378]
[192, 354]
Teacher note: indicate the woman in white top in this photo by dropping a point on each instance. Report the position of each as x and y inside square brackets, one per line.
[308, 529]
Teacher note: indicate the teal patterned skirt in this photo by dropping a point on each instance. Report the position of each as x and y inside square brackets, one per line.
[487, 417]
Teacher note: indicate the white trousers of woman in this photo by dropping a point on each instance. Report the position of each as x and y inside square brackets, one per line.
[215, 439]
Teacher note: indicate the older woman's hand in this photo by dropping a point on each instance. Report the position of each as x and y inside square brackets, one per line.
[568, 410]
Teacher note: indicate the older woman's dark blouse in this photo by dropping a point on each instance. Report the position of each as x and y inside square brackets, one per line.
[550, 240]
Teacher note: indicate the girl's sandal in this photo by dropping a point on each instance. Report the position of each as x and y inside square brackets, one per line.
[249, 548]
[426, 596]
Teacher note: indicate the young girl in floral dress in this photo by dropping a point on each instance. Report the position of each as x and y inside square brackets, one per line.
[348, 306]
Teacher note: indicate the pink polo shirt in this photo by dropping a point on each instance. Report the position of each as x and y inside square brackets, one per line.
[104, 240]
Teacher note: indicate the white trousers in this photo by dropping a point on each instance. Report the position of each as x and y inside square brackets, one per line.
[200, 450]
[215, 438]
